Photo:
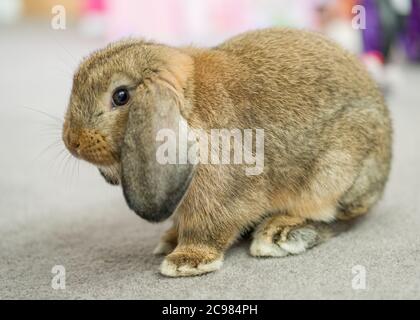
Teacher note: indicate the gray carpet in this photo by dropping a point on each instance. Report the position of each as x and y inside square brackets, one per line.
[55, 211]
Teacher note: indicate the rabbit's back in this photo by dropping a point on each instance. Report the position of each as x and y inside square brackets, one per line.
[301, 70]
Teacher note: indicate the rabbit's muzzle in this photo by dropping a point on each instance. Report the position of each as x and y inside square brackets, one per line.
[89, 145]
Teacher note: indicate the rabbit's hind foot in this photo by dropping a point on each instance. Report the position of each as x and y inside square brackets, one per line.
[282, 235]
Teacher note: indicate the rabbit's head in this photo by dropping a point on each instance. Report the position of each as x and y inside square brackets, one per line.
[122, 96]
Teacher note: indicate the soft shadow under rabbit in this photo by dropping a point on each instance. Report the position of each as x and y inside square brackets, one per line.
[327, 139]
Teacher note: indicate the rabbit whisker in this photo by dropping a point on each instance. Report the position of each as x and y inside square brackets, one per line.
[57, 119]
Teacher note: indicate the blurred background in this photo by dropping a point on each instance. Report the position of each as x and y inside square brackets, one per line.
[390, 28]
[57, 210]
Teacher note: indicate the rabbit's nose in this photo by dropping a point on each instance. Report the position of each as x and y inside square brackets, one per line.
[72, 141]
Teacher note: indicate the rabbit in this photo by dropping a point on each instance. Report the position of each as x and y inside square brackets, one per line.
[327, 140]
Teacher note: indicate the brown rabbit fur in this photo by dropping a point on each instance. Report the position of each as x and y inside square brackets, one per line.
[327, 137]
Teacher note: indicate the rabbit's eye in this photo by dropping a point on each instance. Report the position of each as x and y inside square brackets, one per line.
[120, 97]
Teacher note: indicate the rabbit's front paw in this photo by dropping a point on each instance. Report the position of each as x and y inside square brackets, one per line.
[163, 248]
[167, 243]
[191, 261]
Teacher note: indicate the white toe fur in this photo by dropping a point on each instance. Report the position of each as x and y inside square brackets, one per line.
[298, 241]
[261, 248]
[169, 269]
[293, 247]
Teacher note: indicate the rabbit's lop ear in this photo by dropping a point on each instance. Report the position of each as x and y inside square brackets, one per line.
[154, 182]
